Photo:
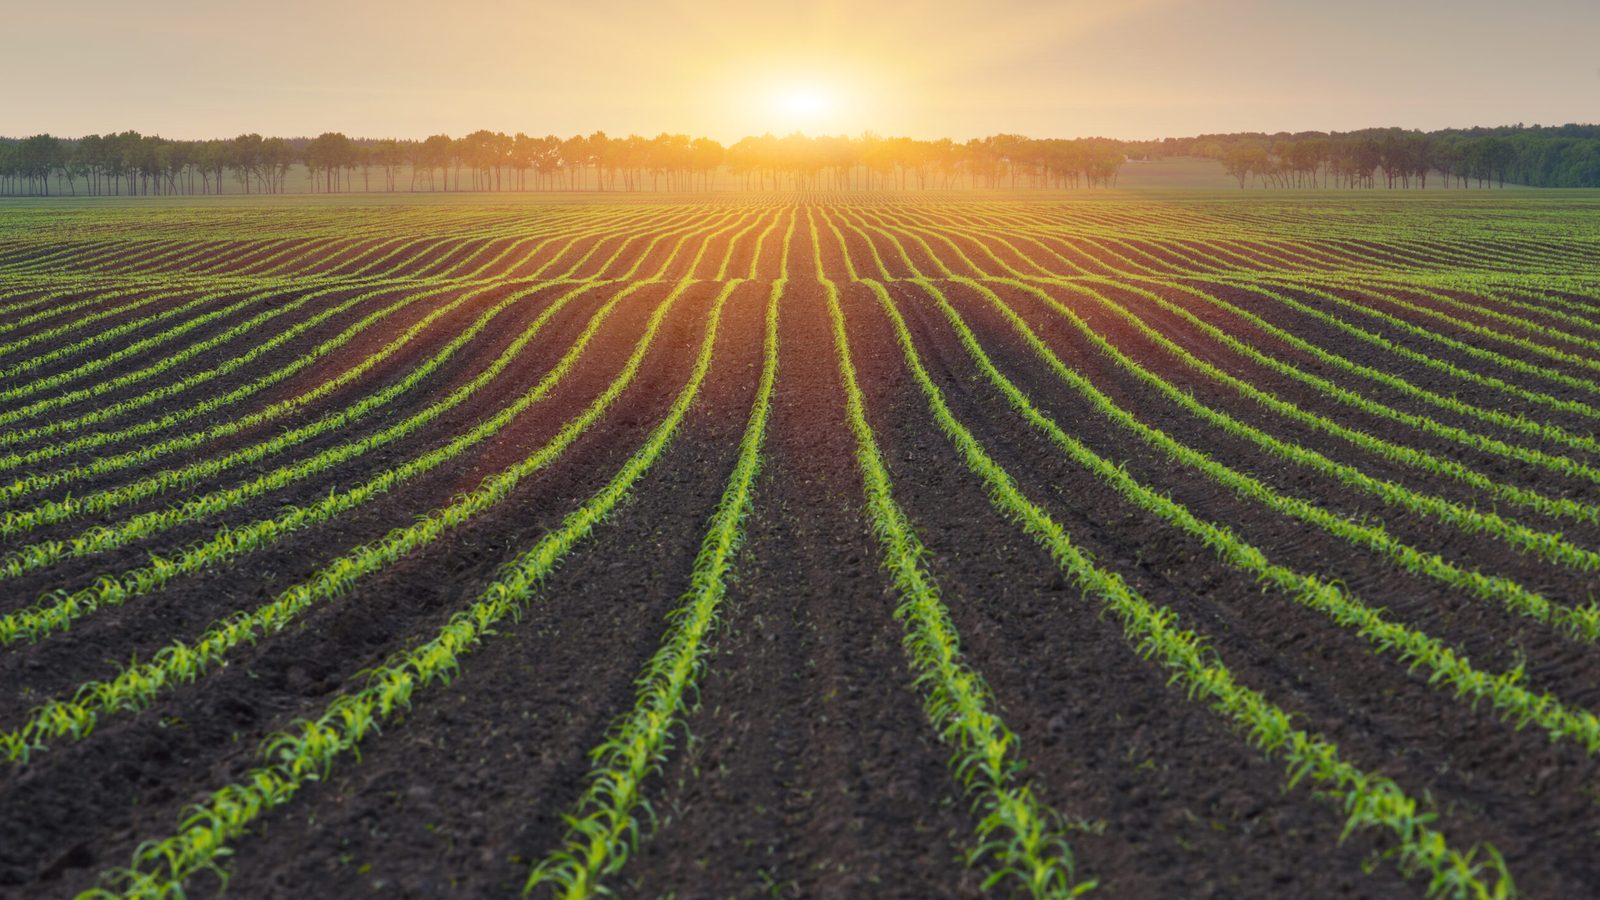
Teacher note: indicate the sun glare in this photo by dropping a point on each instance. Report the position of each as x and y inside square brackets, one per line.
[780, 96]
[802, 106]
[804, 102]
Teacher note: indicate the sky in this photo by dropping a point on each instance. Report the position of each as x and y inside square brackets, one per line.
[1132, 69]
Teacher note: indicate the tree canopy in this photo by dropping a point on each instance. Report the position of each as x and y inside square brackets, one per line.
[132, 163]
[1562, 156]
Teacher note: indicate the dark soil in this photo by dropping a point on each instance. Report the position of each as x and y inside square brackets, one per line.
[813, 771]
[808, 766]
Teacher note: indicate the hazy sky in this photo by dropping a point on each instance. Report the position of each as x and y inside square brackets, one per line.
[958, 68]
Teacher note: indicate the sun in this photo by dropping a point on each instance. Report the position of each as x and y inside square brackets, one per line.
[802, 106]
[786, 100]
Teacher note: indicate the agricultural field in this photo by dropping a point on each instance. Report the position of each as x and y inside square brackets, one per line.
[882, 545]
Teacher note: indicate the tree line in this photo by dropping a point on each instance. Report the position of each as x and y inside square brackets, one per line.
[1560, 156]
[130, 163]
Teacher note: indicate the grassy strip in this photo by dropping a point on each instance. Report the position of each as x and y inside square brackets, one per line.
[308, 751]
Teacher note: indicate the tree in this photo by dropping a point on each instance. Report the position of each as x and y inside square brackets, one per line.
[435, 153]
[329, 153]
[389, 156]
[244, 158]
[1498, 155]
[1244, 160]
[37, 157]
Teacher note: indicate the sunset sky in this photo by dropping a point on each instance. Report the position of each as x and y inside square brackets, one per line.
[726, 68]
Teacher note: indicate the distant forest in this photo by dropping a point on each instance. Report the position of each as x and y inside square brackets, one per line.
[1560, 156]
[130, 163]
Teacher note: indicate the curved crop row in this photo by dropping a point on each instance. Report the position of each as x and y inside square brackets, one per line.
[1422, 460]
[44, 553]
[1501, 360]
[215, 403]
[1018, 837]
[1580, 622]
[1387, 295]
[1553, 462]
[1446, 667]
[142, 295]
[59, 610]
[605, 824]
[1448, 402]
[179, 662]
[167, 480]
[1546, 545]
[180, 312]
[166, 362]
[1253, 283]
[308, 751]
[1370, 801]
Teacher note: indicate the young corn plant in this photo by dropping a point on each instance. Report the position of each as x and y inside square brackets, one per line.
[1369, 800]
[604, 828]
[153, 424]
[1019, 839]
[181, 662]
[1578, 622]
[1445, 667]
[1475, 440]
[50, 512]
[309, 750]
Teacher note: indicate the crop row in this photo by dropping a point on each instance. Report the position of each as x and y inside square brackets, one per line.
[373, 250]
[1549, 546]
[1154, 294]
[1370, 800]
[309, 750]
[1019, 837]
[59, 611]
